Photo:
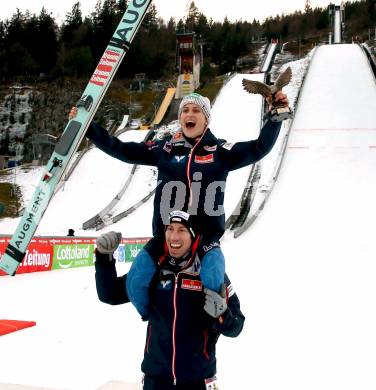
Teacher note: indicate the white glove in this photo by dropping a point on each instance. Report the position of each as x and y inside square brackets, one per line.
[108, 242]
[215, 304]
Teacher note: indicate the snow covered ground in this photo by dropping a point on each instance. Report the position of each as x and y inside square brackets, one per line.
[305, 271]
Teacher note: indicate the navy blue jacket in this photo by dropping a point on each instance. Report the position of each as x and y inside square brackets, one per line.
[181, 336]
[185, 172]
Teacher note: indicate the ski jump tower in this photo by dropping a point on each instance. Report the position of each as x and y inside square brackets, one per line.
[337, 22]
[188, 64]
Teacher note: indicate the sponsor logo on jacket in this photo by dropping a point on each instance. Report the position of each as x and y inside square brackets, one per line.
[179, 158]
[212, 245]
[167, 147]
[189, 284]
[177, 136]
[151, 145]
[179, 143]
[230, 291]
[227, 145]
[210, 148]
[209, 158]
[165, 283]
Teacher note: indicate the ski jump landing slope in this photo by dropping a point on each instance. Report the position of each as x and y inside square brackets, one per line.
[164, 106]
[267, 63]
[306, 276]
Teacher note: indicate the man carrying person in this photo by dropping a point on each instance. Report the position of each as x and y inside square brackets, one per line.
[184, 317]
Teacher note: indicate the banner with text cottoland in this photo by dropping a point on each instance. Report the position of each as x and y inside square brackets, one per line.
[51, 253]
[72, 256]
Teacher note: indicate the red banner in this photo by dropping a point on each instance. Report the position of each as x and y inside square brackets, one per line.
[40, 253]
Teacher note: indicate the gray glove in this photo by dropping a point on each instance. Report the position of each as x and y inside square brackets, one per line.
[215, 304]
[108, 242]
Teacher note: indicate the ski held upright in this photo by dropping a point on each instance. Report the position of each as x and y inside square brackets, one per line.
[73, 133]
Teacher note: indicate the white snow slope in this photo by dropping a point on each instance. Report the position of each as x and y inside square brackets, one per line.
[305, 271]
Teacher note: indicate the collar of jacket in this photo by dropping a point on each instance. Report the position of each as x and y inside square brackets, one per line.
[190, 264]
[178, 140]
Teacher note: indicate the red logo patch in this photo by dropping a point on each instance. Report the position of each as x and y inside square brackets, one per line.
[205, 159]
[177, 135]
[190, 284]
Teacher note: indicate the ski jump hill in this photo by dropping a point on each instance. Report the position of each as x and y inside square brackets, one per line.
[304, 271]
[164, 106]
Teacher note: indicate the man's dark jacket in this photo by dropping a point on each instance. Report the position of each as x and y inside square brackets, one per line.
[181, 336]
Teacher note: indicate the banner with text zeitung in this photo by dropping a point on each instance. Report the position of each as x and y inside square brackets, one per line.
[51, 253]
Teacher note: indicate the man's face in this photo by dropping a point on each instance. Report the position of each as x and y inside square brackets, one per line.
[178, 239]
[192, 120]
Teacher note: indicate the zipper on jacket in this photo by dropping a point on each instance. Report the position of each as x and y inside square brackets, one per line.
[206, 344]
[188, 177]
[148, 340]
[174, 331]
[174, 328]
[189, 167]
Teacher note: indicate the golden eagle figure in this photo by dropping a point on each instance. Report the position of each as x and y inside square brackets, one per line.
[268, 90]
[277, 111]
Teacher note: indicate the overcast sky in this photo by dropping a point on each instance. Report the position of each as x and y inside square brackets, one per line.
[234, 10]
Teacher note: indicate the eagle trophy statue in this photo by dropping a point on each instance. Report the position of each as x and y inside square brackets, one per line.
[279, 112]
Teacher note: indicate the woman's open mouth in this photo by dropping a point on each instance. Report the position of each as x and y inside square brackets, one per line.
[190, 124]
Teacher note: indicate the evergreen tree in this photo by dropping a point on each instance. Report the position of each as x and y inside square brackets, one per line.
[121, 6]
[73, 19]
[2, 51]
[16, 44]
[20, 61]
[104, 21]
[321, 19]
[71, 26]
[30, 44]
[202, 26]
[151, 18]
[371, 8]
[46, 43]
[76, 37]
[78, 62]
[192, 17]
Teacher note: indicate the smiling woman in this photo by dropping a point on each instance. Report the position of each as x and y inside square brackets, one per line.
[194, 115]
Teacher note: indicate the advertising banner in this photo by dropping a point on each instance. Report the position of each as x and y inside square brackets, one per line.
[129, 248]
[73, 255]
[38, 256]
[51, 253]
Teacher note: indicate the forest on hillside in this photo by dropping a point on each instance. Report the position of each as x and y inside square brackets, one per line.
[35, 46]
